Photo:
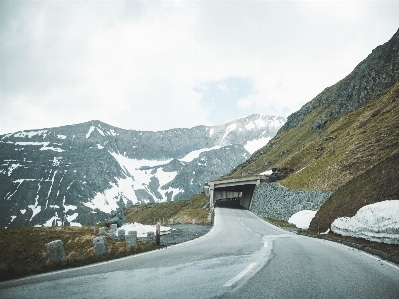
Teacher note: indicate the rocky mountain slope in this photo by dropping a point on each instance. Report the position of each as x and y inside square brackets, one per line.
[78, 174]
[334, 142]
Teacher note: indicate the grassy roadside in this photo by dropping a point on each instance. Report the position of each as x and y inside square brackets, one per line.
[186, 210]
[23, 253]
[381, 249]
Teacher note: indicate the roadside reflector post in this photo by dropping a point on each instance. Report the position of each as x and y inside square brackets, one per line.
[158, 234]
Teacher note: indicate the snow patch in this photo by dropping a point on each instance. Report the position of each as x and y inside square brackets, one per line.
[17, 181]
[69, 207]
[32, 143]
[112, 133]
[108, 201]
[173, 191]
[195, 154]
[253, 145]
[100, 131]
[72, 217]
[90, 131]
[43, 144]
[377, 222]
[12, 168]
[30, 134]
[99, 146]
[23, 211]
[267, 172]
[302, 218]
[132, 166]
[53, 219]
[165, 177]
[229, 129]
[50, 148]
[143, 229]
[300, 170]
[61, 136]
[211, 132]
[259, 123]
[35, 209]
[56, 161]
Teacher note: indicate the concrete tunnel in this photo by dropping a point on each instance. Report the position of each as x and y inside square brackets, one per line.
[243, 188]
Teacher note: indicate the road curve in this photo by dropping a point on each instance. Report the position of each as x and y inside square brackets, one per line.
[241, 257]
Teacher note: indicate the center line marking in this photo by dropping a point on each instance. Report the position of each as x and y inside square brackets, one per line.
[240, 275]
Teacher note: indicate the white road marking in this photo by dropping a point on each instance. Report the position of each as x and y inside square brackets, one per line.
[242, 223]
[381, 260]
[258, 235]
[249, 229]
[240, 275]
[266, 244]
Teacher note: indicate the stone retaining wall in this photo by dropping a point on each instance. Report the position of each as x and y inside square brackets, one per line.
[271, 200]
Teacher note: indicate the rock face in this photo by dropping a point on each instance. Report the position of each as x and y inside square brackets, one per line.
[119, 220]
[271, 200]
[80, 174]
[378, 72]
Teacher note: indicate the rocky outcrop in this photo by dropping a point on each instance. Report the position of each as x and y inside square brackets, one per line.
[119, 219]
[279, 174]
[378, 72]
[271, 200]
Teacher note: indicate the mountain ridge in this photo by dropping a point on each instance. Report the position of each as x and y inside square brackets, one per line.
[78, 174]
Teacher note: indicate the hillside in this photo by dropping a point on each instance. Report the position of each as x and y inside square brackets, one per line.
[377, 184]
[185, 210]
[341, 134]
[79, 174]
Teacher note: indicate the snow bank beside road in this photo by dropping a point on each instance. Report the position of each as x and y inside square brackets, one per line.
[302, 218]
[142, 229]
[377, 222]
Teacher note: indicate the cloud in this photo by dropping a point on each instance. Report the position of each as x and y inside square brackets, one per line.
[158, 65]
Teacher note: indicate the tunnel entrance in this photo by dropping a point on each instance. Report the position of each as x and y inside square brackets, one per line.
[238, 190]
[230, 203]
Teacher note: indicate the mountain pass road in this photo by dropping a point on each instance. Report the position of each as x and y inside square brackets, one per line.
[241, 257]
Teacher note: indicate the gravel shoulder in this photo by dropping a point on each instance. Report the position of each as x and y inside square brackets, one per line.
[184, 232]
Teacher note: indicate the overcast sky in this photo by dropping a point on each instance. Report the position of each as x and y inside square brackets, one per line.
[156, 65]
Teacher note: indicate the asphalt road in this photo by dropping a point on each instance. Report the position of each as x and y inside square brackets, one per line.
[241, 257]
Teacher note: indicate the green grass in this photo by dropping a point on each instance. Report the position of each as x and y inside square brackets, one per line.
[186, 210]
[362, 139]
[377, 184]
[22, 250]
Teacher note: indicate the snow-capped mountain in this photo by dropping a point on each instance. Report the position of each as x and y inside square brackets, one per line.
[78, 174]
